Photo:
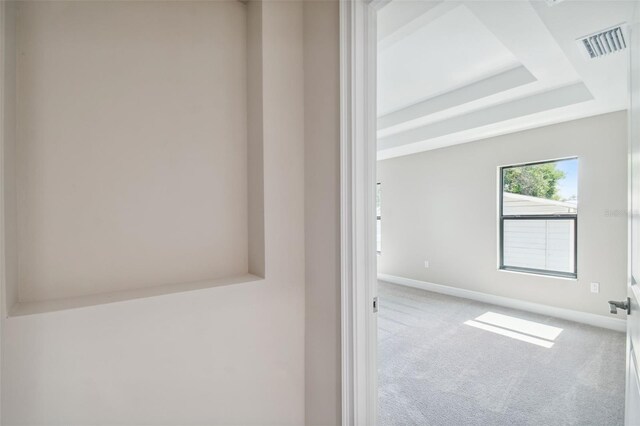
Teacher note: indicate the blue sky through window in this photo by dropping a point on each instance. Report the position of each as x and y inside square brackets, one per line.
[568, 187]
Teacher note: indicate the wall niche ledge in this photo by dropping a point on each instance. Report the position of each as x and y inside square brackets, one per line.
[132, 161]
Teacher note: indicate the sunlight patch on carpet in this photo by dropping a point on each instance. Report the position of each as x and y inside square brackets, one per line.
[516, 328]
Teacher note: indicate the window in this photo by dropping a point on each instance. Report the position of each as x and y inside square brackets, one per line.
[539, 217]
[378, 221]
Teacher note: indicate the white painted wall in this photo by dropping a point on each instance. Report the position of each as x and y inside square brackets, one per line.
[426, 215]
[224, 355]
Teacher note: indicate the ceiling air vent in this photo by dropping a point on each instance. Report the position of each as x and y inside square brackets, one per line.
[604, 42]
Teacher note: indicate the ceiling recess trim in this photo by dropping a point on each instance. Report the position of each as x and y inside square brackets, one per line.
[498, 83]
[556, 98]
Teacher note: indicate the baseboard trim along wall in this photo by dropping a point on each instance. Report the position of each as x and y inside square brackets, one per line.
[567, 314]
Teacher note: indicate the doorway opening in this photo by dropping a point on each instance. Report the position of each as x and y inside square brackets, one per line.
[502, 195]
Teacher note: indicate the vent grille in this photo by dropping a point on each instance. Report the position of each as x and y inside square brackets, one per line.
[604, 42]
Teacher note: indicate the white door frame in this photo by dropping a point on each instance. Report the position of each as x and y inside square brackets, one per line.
[357, 211]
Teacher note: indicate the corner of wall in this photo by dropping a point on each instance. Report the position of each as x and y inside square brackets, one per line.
[255, 160]
[322, 212]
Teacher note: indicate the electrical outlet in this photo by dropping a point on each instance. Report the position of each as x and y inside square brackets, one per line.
[426, 263]
[595, 287]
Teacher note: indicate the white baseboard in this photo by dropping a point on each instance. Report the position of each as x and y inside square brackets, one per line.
[567, 314]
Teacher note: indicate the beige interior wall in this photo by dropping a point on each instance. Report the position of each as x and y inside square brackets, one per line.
[131, 145]
[255, 130]
[8, 210]
[223, 355]
[441, 206]
[322, 212]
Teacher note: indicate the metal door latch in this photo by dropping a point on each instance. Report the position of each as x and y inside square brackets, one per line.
[614, 306]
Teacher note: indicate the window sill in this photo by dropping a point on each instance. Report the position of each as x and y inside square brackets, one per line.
[539, 275]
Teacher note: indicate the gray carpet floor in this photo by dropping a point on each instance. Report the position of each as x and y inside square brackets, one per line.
[433, 369]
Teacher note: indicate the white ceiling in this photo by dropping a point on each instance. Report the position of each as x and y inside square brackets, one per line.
[452, 72]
